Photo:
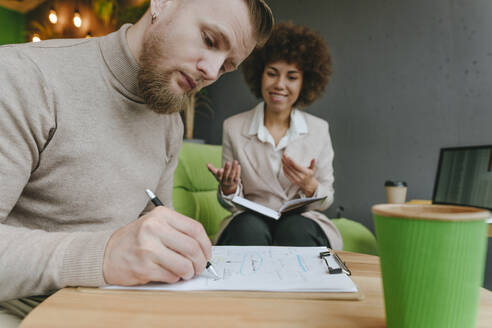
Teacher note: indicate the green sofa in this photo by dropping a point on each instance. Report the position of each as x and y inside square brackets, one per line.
[195, 195]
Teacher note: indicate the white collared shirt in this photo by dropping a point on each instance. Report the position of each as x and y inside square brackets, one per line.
[297, 127]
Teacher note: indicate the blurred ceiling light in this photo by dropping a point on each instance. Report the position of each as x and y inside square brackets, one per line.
[77, 20]
[36, 38]
[52, 16]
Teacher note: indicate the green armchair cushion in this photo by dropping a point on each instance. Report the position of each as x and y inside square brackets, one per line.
[195, 188]
[195, 195]
[356, 237]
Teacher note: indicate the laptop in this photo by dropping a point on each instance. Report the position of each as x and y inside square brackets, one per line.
[464, 177]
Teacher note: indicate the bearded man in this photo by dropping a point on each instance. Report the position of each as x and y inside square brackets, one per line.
[87, 125]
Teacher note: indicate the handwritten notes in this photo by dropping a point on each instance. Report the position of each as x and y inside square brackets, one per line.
[264, 268]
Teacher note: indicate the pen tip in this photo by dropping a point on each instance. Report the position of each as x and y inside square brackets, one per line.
[212, 270]
[149, 193]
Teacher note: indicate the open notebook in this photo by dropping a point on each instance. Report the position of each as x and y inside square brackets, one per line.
[264, 268]
[293, 205]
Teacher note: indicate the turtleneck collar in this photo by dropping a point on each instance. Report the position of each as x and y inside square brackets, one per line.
[120, 61]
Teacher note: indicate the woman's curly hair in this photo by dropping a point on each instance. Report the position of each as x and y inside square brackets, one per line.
[295, 44]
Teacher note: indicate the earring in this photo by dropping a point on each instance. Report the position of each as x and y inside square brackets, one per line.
[154, 17]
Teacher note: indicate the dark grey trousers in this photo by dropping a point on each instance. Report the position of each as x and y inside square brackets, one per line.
[253, 229]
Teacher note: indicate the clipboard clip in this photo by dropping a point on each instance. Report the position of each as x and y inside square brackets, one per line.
[342, 266]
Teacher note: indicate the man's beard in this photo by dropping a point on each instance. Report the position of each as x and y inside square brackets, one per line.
[154, 86]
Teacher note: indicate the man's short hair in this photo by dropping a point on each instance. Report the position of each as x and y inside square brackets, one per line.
[262, 19]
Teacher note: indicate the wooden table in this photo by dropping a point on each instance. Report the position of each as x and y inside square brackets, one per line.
[71, 307]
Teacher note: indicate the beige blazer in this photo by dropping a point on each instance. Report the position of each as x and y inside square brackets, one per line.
[261, 185]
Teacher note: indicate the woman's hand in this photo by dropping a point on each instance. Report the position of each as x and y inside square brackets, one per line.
[299, 175]
[229, 176]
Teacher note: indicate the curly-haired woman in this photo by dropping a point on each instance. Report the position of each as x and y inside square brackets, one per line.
[275, 152]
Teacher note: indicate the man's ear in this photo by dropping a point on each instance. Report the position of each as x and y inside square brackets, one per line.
[156, 7]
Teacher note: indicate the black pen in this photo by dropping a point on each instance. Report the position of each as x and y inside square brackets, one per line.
[157, 202]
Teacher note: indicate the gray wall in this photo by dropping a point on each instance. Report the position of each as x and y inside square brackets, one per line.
[409, 78]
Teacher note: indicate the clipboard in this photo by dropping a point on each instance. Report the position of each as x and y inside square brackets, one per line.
[342, 267]
[263, 272]
[357, 296]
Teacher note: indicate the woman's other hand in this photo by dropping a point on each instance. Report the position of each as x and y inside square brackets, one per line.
[299, 175]
[228, 176]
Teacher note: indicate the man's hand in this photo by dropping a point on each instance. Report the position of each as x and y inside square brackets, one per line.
[229, 176]
[299, 175]
[162, 245]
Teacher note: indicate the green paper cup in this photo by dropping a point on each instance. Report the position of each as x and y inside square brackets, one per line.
[432, 263]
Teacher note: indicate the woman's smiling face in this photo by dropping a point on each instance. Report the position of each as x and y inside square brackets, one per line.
[281, 85]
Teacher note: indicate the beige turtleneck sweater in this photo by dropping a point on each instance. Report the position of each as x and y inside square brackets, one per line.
[78, 147]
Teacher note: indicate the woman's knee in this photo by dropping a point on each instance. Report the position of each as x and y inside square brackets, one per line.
[247, 229]
[297, 230]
